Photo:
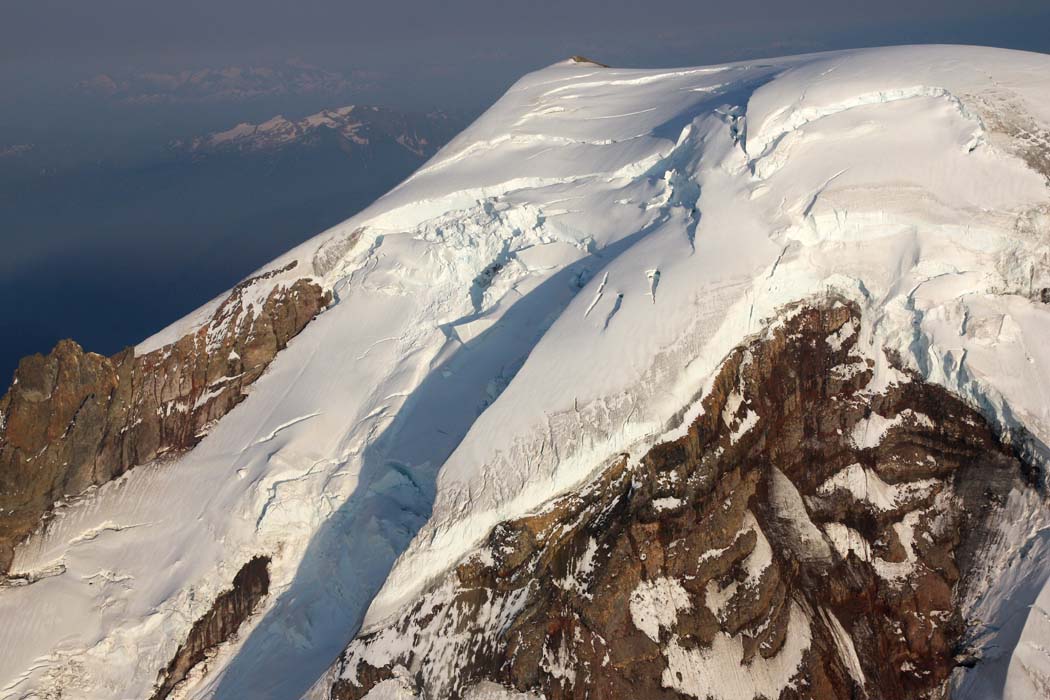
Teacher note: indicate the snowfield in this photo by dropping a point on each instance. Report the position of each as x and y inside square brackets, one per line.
[550, 290]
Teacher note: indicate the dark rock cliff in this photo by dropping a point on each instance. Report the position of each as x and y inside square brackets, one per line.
[808, 537]
[218, 625]
[75, 419]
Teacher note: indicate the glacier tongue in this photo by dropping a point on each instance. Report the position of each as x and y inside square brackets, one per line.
[549, 291]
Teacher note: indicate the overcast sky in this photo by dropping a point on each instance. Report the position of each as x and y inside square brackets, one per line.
[116, 28]
[488, 42]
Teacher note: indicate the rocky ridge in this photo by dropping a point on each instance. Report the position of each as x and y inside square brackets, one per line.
[810, 536]
[229, 611]
[73, 420]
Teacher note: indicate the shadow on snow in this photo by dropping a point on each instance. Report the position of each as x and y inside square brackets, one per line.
[352, 553]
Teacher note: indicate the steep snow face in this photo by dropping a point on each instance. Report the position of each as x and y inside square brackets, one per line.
[549, 290]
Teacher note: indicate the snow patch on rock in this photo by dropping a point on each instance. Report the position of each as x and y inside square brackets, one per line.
[719, 671]
[655, 605]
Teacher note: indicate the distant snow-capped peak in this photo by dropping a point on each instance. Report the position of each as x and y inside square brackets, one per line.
[357, 125]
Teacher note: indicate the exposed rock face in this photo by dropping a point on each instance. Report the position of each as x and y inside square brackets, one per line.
[227, 614]
[583, 59]
[808, 537]
[74, 419]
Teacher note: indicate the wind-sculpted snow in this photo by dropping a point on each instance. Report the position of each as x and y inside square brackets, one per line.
[552, 289]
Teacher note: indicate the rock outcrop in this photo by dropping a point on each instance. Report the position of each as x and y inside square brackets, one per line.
[74, 419]
[809, 536]
[218, 625]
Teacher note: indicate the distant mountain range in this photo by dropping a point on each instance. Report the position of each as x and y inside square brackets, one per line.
[161, 235]
[15, 149]
[356, 127]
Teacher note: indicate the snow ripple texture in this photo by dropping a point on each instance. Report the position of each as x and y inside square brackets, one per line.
[551, 290]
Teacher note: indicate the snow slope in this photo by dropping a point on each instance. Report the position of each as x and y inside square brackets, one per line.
[550, 290]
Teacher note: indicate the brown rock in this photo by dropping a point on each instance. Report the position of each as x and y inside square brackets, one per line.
[218, 625]
[545, 606]
[75, 419]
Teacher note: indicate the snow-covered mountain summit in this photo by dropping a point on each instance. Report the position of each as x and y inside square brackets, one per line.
[606, 280]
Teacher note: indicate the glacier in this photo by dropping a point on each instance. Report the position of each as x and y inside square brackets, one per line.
[556, 287]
